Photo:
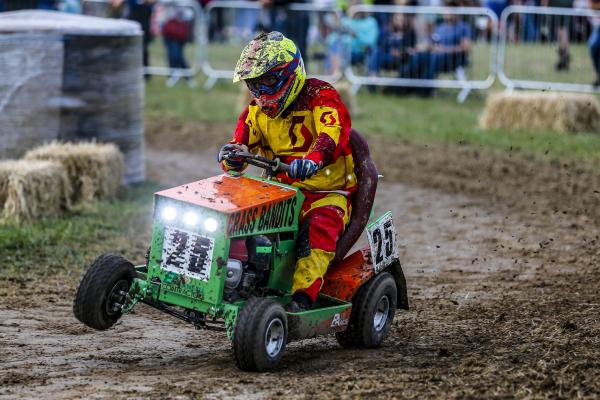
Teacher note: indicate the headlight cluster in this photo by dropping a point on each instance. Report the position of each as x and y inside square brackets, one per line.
[190, 218]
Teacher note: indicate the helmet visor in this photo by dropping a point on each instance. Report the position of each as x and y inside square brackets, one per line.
[268, 84]
[272, 81]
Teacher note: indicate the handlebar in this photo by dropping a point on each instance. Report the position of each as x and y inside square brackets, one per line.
[258, 161]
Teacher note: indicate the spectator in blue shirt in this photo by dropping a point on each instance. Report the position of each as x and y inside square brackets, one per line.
[594, 40]
[364, 32]
[70, 6]
[395, 45]
[354, 37]
[447, 49]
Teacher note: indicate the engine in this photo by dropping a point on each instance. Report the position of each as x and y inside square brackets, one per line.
[248, 267]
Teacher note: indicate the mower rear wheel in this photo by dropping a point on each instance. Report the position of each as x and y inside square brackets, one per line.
[260, 335]
[102, 291]
[373, 309]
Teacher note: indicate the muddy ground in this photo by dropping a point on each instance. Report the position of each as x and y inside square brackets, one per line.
[502, 261]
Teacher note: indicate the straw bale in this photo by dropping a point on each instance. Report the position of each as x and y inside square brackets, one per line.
[563, 112]
[31, 189]
[94, 170]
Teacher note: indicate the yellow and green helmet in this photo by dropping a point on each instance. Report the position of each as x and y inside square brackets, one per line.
[272, 68]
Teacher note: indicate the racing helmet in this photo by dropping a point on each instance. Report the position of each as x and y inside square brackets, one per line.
[272, 68]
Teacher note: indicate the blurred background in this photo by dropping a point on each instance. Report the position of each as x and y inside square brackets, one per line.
[383, 44]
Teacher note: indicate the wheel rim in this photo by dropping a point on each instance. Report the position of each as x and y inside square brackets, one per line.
[381, 313]
[274, 337]
[116, 297]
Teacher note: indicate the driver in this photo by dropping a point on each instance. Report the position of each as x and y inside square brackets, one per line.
[304, 123]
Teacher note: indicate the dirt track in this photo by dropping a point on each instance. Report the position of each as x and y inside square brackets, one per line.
[503, 289]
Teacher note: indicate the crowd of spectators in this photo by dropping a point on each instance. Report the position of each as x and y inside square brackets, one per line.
[422, 46]
[389, 43]
[414, 46]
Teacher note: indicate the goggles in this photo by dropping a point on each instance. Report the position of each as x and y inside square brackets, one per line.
[271, 82]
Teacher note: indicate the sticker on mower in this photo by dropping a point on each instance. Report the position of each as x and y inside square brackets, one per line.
[382, 240]
[338, 321]
[187, 253]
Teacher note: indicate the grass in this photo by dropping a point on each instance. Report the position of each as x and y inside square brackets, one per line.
[187, 104]
[52, 245]
[442, 120]
[424, 121]
[518, 65]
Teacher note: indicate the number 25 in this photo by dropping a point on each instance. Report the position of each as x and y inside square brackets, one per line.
[378, 238]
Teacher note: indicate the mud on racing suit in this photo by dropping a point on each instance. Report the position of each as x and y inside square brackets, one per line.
[315, 126]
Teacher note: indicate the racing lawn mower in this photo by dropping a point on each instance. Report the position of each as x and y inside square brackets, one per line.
[222, 256]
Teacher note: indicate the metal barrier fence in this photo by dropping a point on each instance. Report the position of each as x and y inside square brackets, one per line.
[529, 48]
[173, 34]
[422, 47]
[231, 24]
[547, 48]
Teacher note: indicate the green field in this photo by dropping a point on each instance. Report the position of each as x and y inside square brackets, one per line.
[519, 64]
[61, 246]
[421, 120]
[440, 119]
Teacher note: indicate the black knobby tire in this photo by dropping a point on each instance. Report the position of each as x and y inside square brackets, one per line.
[250, 336]
[99, 288]
[373, 308]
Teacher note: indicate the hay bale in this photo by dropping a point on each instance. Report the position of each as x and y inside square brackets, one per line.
[31, 189]
[70, 78]
[563, 112]
[94, 170]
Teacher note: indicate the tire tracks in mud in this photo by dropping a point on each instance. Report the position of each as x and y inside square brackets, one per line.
[502, 282]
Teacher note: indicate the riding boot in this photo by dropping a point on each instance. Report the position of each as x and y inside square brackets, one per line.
[300, 302]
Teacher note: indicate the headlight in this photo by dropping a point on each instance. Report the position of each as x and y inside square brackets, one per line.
[190, 218]
[211, 224]
[169, 213]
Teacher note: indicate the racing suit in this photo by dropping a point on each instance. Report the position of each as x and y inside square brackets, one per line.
[315, 126]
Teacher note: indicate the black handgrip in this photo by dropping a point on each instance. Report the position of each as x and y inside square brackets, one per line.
[259, 161]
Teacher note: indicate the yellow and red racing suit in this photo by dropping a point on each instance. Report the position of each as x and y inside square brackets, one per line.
[315, 126]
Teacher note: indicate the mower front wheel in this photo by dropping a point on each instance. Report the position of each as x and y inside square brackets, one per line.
[260, 335]
[373, 309]
[102, 291]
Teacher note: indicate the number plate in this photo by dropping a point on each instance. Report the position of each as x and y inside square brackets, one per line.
[382, 239]
[187, 253]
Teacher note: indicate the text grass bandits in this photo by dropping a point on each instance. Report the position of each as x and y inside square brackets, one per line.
[263, 218]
